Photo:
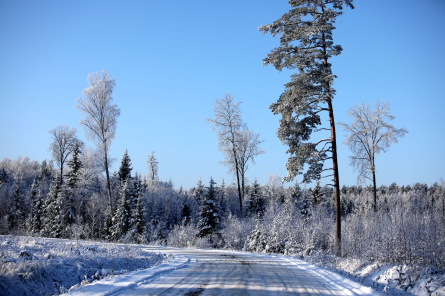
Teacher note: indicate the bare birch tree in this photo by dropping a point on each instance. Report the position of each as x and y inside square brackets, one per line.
[64, 141]
[228, 122]
[100, 115]
[152, 166]
[248, 147]
[369, 134]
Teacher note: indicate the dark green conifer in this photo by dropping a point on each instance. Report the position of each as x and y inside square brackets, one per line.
[125, 168]
[210, 218]
[75, 165]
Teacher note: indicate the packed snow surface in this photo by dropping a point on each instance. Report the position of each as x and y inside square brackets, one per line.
[214, 272]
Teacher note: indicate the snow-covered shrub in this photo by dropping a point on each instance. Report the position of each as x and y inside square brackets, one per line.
[235, 232]
[321, 230]
[406, 229]
[183, 236]
[256, 241]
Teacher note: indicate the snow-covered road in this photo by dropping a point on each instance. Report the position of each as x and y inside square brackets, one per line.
[213, 272]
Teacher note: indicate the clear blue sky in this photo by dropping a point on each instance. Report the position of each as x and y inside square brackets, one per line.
[171, 59]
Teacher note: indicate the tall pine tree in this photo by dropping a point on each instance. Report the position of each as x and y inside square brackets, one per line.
[306, 45]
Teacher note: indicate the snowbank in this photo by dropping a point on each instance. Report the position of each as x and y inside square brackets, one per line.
[114, 285]
[394, 279]
[43, 266]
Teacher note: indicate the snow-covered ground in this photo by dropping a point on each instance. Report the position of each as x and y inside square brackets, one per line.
[394, 279]
[37, 266]
[44, 266]
[122, 283]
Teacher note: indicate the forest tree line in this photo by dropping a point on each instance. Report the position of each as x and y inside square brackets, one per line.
[407, 226]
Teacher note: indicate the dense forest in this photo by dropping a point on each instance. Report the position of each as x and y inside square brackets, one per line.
[406, 227]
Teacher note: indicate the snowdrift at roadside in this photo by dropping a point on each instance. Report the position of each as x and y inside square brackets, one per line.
[42, 266]
[115, 284]
[393, 279]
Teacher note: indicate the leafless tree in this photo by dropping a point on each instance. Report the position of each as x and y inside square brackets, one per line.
[248, 147]
[152, 166]
[100, 115]
[95, 214]
[367, 136]
[228, 122]
[92, 166]
[64, 141]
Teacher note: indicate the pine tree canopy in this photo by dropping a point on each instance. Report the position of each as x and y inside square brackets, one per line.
[306, 45]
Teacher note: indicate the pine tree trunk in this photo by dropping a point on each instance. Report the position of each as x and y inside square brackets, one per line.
[338, 251]
[336, 182]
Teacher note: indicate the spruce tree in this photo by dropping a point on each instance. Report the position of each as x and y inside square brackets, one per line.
[306, 45]
[75, 165]
[3, 177]
[35, 209]
[316, 194]
[44, 172]
[16, 215]
[125, 168]
[161, 231]
[121, 219]
[210, 213]
[256, 241]
[199, 192]
[68, 207]
[222, 195]
[186, 213]
[137, 220]
[108, 226]
[293, 197]
[52, 220]
[257, 203]
[302, 200]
